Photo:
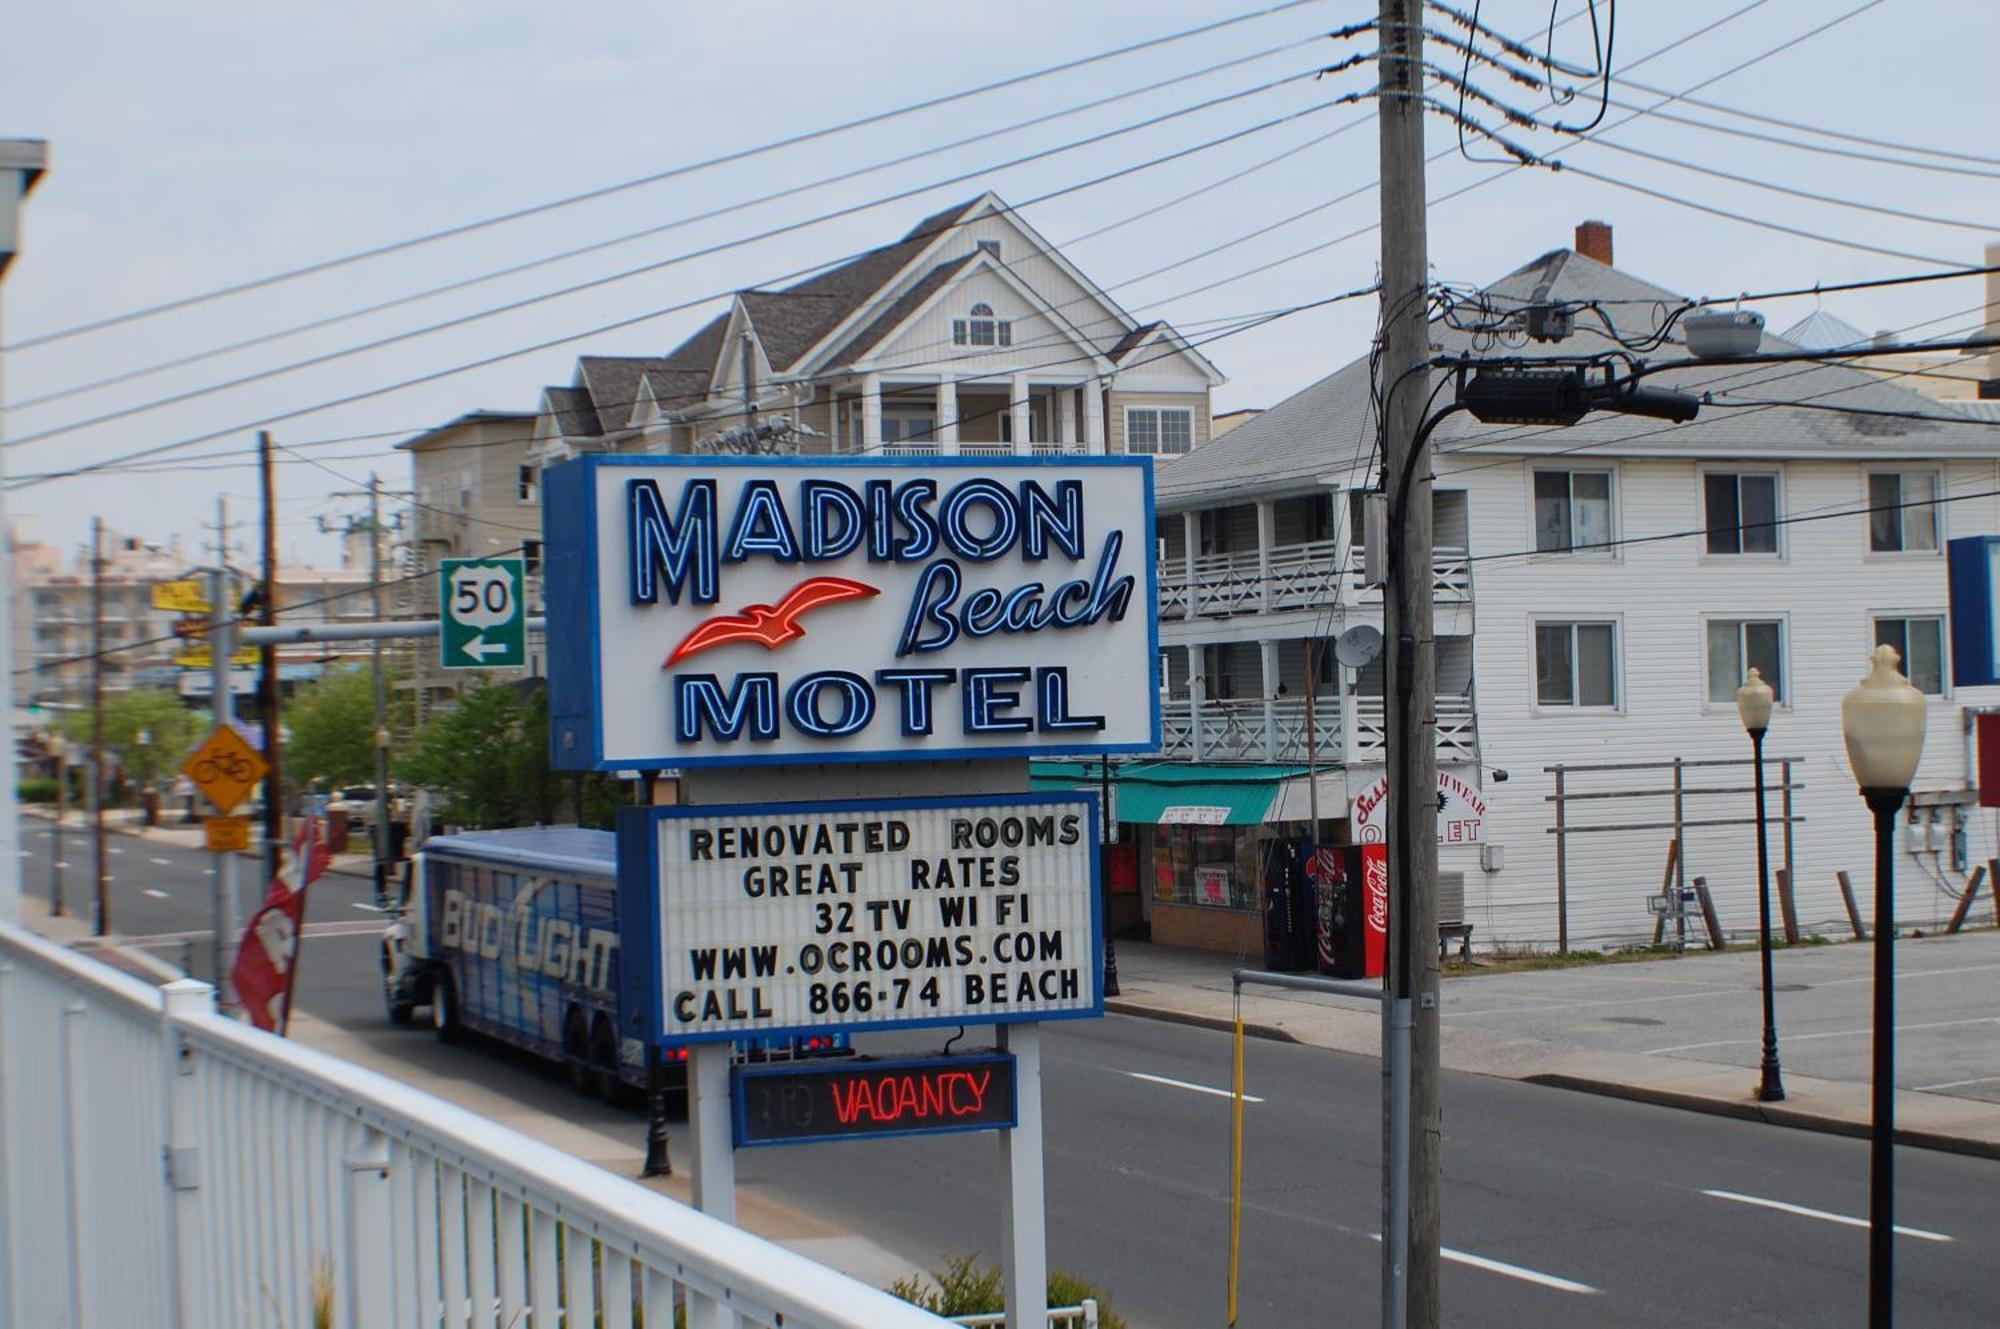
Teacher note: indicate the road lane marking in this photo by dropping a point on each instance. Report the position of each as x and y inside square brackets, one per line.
[357, 928]
[156, 894]
[116, 850]
[1198, 1088]
[1958, 1084]
[1519, 1271]
[365, 907]
[1846, 1220]
[1831, 1033]
[62, 862]
[161, 862]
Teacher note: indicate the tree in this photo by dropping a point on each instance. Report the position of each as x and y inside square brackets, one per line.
[487, 759]
[332, 730]
[149, 731]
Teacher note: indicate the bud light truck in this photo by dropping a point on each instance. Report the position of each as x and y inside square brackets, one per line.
[513, 934]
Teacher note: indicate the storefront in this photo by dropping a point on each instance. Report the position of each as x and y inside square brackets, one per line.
[1194, 841]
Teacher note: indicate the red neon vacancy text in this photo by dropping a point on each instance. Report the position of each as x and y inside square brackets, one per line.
[947, 1095]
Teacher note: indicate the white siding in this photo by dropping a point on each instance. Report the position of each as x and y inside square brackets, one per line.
[1040, 346]
[1827, 588]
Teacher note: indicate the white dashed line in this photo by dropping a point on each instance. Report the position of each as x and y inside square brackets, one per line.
[116, 850]
[1522, 1272]
[1846, 1220]
[1183, 1084]
[1957, 1084]
[156, 894]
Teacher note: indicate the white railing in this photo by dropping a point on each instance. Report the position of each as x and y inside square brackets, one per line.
[1451, 576]
[161, 1165]
[1299, 576]
[922, 449]
[1457, 728]
[986, 449]
[1081, 1316]
[1250, 730]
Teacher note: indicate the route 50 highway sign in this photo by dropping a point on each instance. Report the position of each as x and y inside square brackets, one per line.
[485, 622]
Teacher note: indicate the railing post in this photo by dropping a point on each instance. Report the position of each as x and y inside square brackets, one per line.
[187, 1239]
[367, 1292]
[12, 1303]
[1023, 1240]
[1267, 528]
[1562, 870]
[74, 1144]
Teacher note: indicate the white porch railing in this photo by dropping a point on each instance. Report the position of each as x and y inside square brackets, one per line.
[1250, 730]
[161, 1165]
[1457, 729]
[927, 448]
[1451, 577]
[1302, 576]
[986, 449]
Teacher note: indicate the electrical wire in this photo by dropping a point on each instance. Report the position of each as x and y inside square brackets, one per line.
[743, 154]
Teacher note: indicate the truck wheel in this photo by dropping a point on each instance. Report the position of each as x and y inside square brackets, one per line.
[444, 1007]
[400, 1008]
[576, 1054]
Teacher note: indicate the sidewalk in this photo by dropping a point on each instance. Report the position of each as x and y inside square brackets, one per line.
[1680, 1032]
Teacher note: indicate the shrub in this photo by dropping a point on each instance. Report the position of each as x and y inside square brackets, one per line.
[36, 789]
[963, 1287]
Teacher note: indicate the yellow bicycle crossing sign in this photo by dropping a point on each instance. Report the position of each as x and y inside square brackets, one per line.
[225, 768]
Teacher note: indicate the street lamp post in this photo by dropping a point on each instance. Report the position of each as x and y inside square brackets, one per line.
[1753, 703]
[1882, 720]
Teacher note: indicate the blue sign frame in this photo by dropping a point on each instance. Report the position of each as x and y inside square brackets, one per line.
[571, 588]
[740, 1107]
[640, 963]
[1975, 656]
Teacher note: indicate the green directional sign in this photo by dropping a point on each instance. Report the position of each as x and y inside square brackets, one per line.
[485, 621]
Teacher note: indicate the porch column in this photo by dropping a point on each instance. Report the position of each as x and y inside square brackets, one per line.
[1190, 551]
[1267, 525]
[871, 412]
[1017, 406]
[1267, 660]
[947, 416]
[1093, 417]
[1197, 694]
[1066, 418]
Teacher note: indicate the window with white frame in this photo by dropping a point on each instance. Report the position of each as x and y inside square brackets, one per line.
[1740, 510]
[1572, 510]
[1576, 664]
[982, 328]
[1738, 645]
[1159, 430]
[525, 483]
[1902, 511]
[531, 557]
[1919, 640]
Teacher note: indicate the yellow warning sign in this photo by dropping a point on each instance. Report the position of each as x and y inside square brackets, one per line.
[227, 835]
[225, 768]
[199, 656]
[182, 597]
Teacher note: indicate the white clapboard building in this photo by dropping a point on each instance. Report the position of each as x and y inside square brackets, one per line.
[1600, 590]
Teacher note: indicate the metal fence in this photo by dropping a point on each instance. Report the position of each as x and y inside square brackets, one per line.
[161, 1165]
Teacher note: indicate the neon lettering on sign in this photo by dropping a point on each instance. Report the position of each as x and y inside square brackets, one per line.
[853, 1100]
[711, 611]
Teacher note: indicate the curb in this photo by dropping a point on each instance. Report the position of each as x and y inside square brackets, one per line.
[1165, 1014]
[1750, 1110]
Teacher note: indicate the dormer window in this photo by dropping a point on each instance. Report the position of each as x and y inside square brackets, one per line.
[982, 328]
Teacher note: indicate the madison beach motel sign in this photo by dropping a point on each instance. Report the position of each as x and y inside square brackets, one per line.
[711, 611]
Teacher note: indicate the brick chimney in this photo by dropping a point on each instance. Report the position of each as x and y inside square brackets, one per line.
[1593, 240]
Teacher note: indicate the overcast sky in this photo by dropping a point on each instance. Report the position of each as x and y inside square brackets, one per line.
[202, 143]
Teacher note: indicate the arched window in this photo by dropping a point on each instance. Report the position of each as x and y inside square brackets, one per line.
[982, 328]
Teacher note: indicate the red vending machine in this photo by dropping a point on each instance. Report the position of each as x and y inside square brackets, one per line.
[1351, 900]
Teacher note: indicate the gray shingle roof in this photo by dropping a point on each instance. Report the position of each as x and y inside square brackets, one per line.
[574, 413]
[1821, 331]
[1125, 343]
[1329, 426]
[905, 305]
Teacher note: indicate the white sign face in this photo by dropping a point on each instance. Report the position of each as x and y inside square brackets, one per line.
[1461, 812]
[853, 916]
[1194, 814]
[735, 611]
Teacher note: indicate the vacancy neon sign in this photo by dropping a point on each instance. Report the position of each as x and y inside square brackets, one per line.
[848, 1100]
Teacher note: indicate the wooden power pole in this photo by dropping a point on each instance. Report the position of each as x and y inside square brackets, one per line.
[1410, 1012]
[274, 781]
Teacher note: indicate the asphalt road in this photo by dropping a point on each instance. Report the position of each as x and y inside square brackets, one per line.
[1561, 1209]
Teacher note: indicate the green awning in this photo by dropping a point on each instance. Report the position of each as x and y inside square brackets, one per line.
[1176, 793]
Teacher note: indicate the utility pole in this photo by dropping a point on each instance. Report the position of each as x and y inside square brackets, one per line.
[221, 647]
[274, 781]
[103, 921]
[22, 161]
[381, 694]
[1410, 1012]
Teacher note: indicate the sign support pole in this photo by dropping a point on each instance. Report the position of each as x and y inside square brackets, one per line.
[220, 647]
[1024, 1242]
[714, 1179]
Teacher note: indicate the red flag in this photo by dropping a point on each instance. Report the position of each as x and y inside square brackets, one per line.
[269, 951]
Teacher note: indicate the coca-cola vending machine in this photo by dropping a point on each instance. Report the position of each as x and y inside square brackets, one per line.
[1351, 894]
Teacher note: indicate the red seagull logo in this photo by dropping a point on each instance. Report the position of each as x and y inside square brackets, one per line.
[770, 625]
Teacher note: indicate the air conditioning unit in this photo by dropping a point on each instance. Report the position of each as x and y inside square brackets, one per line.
[1451, 899]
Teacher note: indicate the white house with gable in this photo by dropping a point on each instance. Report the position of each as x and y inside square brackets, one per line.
[970, 335]
[1600, 591]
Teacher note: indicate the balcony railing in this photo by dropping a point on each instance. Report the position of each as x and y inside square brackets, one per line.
[1457, 728]
[1300, 576]
[1451, 577]
[1254, 730]
[986, 449]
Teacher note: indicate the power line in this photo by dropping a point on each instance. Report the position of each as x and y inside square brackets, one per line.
[661, 264]
[645, 232]
[466, 228]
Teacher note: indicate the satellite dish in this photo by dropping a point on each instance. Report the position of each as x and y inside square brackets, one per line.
[1358, 646]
